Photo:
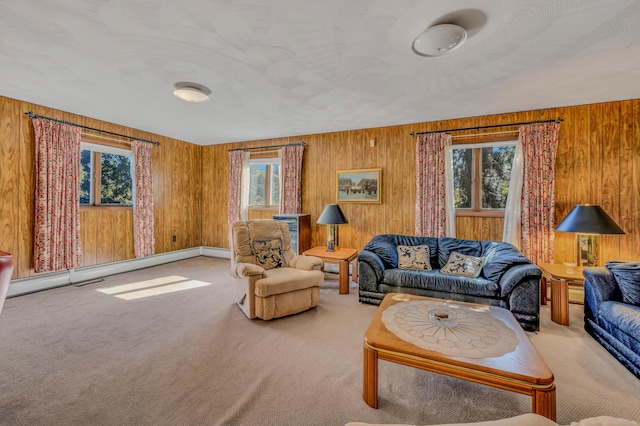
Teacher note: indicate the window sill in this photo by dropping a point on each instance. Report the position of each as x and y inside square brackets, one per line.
[481, 213]
[84, 207]
[264, 208]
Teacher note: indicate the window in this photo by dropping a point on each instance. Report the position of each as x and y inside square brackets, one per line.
[481, 176]
[105, 175]
[264, 183]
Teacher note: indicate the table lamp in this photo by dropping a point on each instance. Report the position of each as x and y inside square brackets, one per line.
[588, 223]
[332, 216]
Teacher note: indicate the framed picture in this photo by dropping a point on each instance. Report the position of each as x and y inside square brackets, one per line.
[359, 186]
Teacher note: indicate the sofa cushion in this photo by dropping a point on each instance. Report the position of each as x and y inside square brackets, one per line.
[414, 257]
[437, 281]
[500, 257]
[627, 275]
[269, 253]
[622, 321]
[463, 265]
[447, 245]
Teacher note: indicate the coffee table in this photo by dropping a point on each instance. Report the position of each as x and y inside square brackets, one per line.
[341, 256]
[521, 369]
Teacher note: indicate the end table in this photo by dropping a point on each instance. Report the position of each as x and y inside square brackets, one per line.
[341, 256]
[560, 276]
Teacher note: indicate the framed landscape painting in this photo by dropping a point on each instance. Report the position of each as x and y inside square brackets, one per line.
[359, 186]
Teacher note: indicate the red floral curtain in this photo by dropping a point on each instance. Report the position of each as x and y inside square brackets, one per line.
[539, 145]
[57, 205]
[435, 216]
[143, 221]
[236, 166]
[291, 179]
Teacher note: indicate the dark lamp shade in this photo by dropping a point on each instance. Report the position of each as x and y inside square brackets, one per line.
[587, 219]
[332, 215]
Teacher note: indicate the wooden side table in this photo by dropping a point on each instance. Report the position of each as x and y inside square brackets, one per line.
[342, 257]
[560, 276]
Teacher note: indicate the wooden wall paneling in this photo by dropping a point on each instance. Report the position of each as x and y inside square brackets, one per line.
[104, 235]
[9, 177]
[407, 170]
[625, 220]
[220, 216]
[208, 174]
[564, 183]
[610, 245]
[635, 199]
[395, 177]
[371, 212]
[380, 149]
[581, 170]
[123, 234]
[24, 258]
[88, 237]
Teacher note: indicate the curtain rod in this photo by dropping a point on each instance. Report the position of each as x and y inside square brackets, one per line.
[557, 120]
[32, 115]
[266, 147]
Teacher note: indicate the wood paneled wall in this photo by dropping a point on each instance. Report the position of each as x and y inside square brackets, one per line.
[598, 162]
[106, 234]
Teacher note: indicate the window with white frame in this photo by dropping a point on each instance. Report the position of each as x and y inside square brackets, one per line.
[105, 175]
[264, 186]
[481, 174]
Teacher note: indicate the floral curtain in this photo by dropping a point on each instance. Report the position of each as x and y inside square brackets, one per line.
[435, 211]
[234, 202]
[143, 221]
[57, 206]
[291, 179]
[539, 146]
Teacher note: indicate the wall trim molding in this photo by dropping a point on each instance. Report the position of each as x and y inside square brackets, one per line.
[51, 280]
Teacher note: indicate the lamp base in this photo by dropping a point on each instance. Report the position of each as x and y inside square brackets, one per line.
[332, 237]
[588, 250]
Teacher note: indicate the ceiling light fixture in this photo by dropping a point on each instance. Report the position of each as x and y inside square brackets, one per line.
[191, 92]
[439, 40]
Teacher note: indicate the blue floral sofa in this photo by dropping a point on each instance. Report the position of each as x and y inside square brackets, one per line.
[612, 310]
[505, 278]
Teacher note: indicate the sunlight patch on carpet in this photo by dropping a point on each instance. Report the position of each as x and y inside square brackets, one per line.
[154, 287]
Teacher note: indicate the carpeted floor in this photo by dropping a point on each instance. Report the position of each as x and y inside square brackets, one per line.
[173, 349]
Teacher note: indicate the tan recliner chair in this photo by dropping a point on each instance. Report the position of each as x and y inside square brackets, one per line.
[270, 280]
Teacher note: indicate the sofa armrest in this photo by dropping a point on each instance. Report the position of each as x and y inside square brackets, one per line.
[370, 270]
[243, 270]
[306, 263]
[516, 275]
[601, 283]
[599, 286]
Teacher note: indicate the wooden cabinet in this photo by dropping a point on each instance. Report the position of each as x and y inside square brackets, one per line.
[300, 230]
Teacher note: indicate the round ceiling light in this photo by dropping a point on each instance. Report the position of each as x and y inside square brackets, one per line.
[191, 93]
[439, 40]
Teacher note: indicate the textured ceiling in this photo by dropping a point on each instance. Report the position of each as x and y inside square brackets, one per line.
[293, 67]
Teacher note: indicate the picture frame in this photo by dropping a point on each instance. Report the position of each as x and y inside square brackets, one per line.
[359, 186]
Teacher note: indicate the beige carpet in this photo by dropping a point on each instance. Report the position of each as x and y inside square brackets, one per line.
[106, 355]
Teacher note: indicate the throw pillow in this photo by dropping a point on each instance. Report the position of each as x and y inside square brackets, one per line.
[414, 257]
[463, 265]
[269, 253]
[627, 275]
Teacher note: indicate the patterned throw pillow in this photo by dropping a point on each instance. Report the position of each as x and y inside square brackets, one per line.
[463, 265]
[269, 253]
[414, 257]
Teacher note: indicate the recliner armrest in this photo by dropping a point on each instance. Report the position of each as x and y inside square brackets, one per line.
[306, 263]
[243, 270]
